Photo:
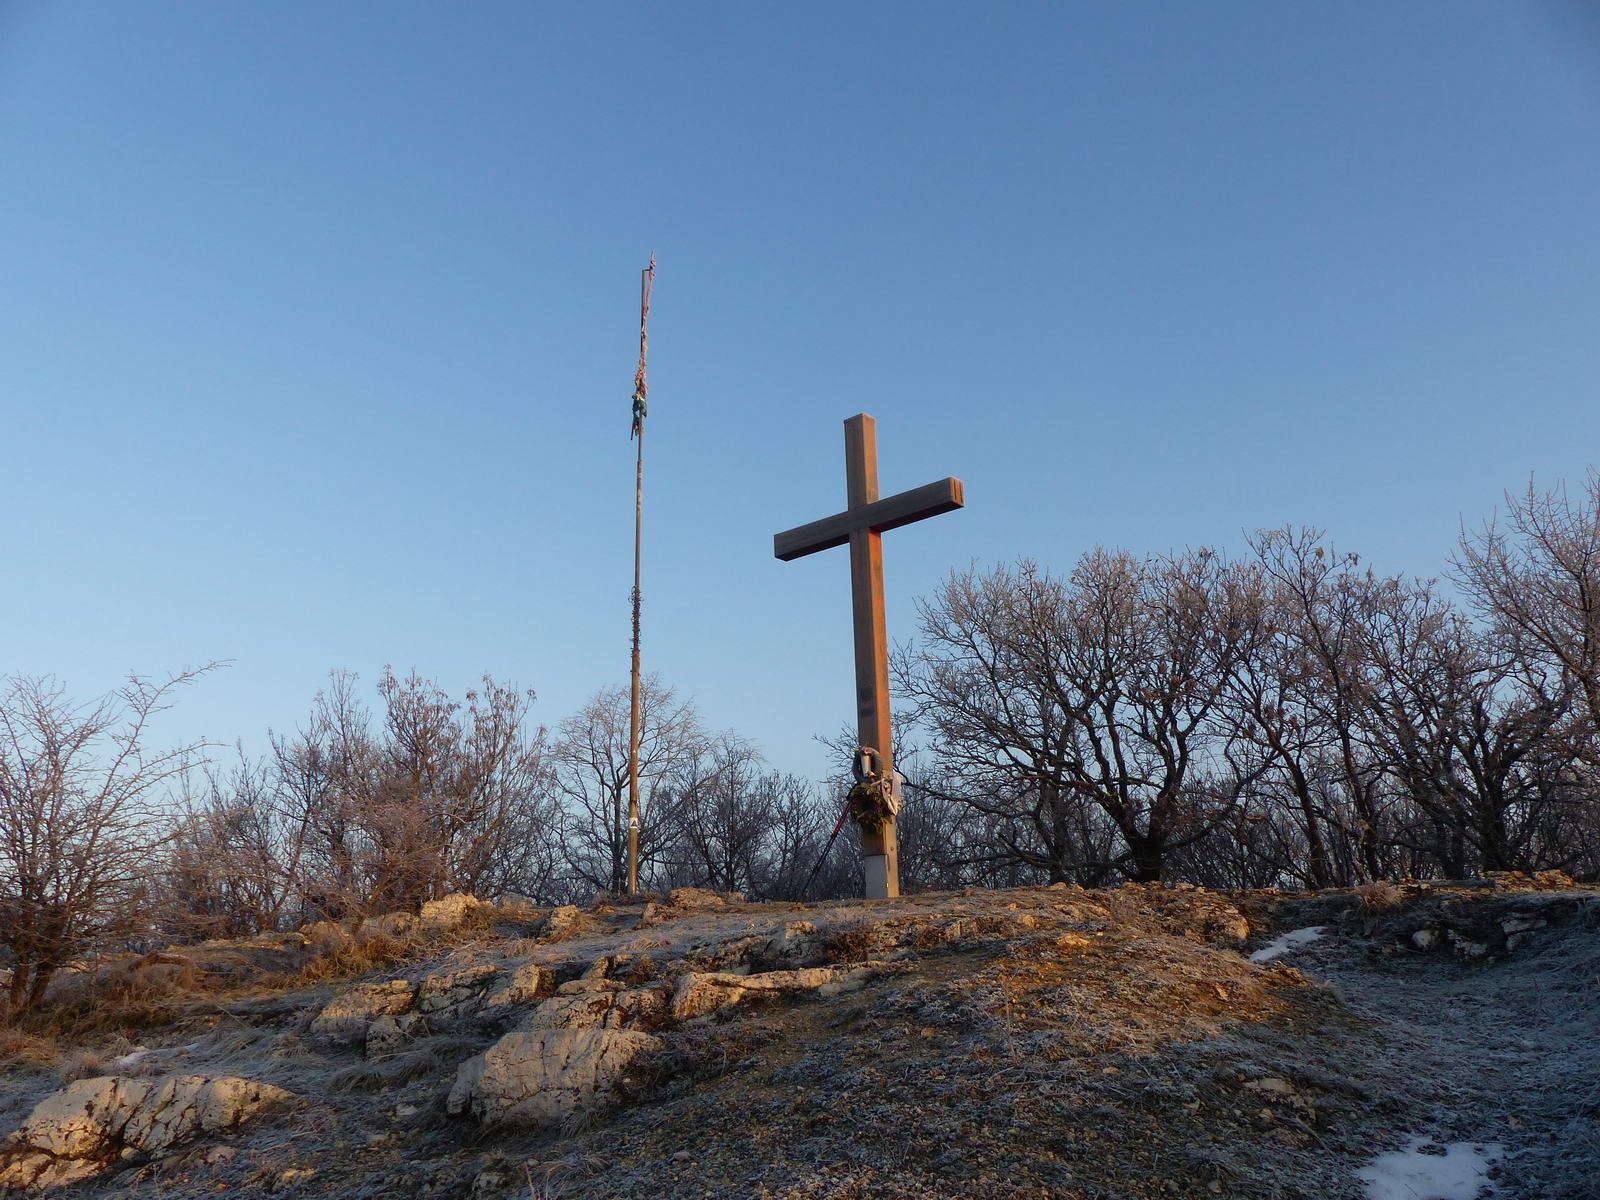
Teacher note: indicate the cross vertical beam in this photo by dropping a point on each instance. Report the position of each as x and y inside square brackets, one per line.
[862, 525]
[880, 849]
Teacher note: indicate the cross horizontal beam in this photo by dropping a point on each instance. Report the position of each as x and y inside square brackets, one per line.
[880, 516]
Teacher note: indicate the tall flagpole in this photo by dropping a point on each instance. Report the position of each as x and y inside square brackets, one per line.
[641, 390]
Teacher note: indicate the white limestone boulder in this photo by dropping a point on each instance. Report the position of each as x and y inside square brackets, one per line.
[455, 910]
[702, 992]
[543, 1077]
[455, 994]
[693, 899]
[528, 984]
[89, 1124]
[345, 1018]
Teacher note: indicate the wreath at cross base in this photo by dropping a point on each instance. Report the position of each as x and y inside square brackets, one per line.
[871, 804]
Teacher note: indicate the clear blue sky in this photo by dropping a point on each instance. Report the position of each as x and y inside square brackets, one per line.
[317, 321]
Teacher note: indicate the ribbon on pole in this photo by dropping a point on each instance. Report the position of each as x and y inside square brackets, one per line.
[641, 389]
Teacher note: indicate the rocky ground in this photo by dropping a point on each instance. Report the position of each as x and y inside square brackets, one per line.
[1045, 1042]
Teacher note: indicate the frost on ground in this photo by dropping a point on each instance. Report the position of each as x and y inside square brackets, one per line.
[1485, 1030]
[1025, 1044]
[1286, 942]
[1425, 1170]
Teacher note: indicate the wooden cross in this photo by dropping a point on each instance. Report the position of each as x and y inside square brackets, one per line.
[862, 525]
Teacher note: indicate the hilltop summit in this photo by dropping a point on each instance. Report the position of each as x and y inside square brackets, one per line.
[1035, 1042]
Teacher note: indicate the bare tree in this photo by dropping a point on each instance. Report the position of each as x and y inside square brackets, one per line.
[233, 865]
[81, 822]
[590, 757]
[1321, 607]
[799, 822]
[1271, 702]
[322, 775]
[982, 682]
[1466, 736]
[1048, 699]
[442, 795]
[1538, 585]
[716, 813]
[943, 842]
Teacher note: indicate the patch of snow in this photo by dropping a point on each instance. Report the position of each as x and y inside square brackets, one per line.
[1286, 942]
[1459, 1171]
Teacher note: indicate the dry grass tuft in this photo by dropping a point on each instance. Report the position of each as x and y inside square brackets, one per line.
[481, 920]
[120, 998]
[328, 937]
[1380, 895]
[115, 1057]
[355, 957]
[351, 955]
[82, 1062]
[381, 1074]
[20, 1048]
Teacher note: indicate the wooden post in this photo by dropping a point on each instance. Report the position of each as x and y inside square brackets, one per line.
[641, 390]
[862, 525]
[633, 706]
[880, 848]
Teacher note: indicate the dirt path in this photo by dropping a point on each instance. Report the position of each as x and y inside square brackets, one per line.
[1506, 1053]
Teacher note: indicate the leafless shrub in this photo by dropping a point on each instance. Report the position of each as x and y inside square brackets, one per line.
[379, 812]
[81, 824]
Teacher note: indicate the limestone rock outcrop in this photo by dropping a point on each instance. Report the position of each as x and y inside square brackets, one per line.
[528, 984]
[569, 921]
[542, 1077]
[393, 1034]
[91, 1123]
[796, 940]
[345, 1018]
[455, 910]
[791, 943]
[702, 992]
[693, 899]
[581, 1004]
[592, 1003]
[455, 994]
